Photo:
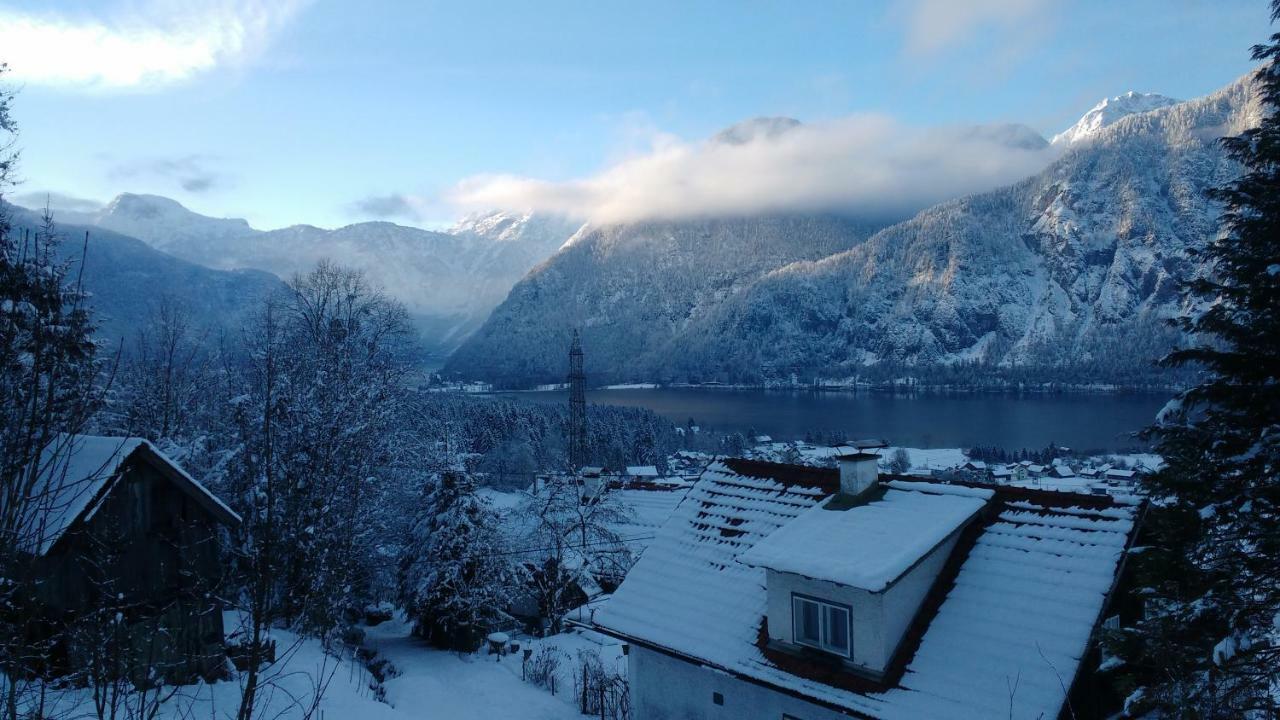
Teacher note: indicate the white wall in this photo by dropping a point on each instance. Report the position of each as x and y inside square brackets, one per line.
[879, 619]
[902, 599]
[664, 688]
[868, 645]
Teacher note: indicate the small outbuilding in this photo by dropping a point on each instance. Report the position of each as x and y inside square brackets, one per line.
[117, 530]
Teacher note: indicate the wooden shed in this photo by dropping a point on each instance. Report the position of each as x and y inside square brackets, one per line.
[127, 564]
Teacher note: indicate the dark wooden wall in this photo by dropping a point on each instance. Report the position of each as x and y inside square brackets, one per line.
[149, 557]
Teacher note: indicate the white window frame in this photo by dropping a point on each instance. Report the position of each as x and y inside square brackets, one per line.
[824, 626]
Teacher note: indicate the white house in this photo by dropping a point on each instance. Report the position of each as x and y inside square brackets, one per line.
[789, 592]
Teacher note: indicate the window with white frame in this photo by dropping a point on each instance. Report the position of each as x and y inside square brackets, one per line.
[820, 624]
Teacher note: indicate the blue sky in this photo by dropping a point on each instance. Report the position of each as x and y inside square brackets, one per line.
[330, 112]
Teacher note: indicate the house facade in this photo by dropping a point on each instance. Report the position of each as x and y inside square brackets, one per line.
[780, 591]
[122, 530]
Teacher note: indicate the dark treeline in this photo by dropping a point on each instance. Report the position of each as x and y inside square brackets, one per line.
[506, 442]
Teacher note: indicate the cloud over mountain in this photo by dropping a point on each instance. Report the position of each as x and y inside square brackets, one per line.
[862, 164]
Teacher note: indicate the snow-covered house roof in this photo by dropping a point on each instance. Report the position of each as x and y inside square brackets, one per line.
[975, 465]
[76, 472]
[1023, 593]
[1120, 474]
[1001, 472]
[642, 471]
[872, 545]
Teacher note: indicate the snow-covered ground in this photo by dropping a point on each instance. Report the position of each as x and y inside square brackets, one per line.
[431, 684]
[451, 686]
[288, 693]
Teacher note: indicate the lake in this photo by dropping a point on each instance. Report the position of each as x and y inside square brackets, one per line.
[1080, 421]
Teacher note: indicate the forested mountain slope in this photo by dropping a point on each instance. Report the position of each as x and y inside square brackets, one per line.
[633, 289]
[1068, 275]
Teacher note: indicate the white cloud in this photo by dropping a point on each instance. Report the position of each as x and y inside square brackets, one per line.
[164, 41]
[935, 25]
[865, 164]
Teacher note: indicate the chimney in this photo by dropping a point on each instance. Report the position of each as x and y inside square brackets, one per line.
[859, 472]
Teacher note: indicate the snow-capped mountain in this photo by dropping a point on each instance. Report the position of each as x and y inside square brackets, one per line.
[448, 280]
[1069, 274]
[1108, 112]
[162, 223]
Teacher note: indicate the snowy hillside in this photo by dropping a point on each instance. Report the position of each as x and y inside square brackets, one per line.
[449, 280]
[1067, 275]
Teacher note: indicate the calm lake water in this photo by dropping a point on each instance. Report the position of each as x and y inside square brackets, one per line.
[1080, 421]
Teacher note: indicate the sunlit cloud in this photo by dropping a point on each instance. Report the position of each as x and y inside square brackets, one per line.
[870, 165]
[158, 43]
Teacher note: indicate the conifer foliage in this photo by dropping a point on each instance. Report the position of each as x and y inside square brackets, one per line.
[1209, 645]
[455, 577]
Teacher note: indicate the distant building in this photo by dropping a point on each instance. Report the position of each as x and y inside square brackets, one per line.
[641, 473]
[786, 591]
[124, 528]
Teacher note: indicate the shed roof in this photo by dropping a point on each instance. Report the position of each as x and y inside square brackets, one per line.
[76, 472]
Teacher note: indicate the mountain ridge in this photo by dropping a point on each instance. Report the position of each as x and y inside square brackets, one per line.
[449, 280]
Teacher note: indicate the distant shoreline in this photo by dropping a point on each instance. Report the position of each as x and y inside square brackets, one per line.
[882, 388]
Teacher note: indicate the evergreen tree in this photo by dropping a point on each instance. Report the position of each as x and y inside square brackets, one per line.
[455, 577]
[1209, 646]
[51, 383]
